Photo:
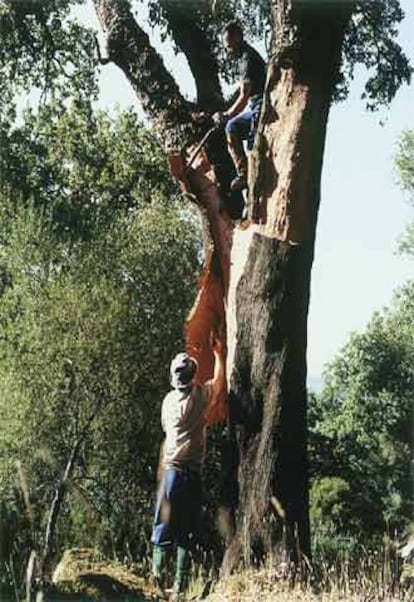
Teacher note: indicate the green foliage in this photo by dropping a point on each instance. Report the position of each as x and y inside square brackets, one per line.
[81, 167]
[371, 40]
[42, 45]
[92, 310]
[361, 428]
[97, 272]
[405, 162]
[329, 501]
[42, 48]
[405, 167]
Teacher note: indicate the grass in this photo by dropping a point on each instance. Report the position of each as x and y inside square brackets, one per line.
[266, 585]
[342, 570]
[370, 576]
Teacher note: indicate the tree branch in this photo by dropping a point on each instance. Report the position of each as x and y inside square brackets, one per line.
[198, 49]
[60, 492]
[130, 49]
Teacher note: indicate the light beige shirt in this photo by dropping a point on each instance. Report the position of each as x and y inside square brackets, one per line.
[183, 421]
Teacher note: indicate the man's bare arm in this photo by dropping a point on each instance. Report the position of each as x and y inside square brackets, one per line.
[217, 404]
[240, 102]
[219, 375]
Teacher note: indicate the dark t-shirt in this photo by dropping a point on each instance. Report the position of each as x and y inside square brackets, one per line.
[252, 69]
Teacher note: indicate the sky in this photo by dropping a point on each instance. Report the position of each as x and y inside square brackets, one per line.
[363, 210]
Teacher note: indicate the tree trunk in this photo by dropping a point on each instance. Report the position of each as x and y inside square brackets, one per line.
[256, 278]
[270, 286]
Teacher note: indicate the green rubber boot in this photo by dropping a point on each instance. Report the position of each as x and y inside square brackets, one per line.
[159, 556]
[180, 571]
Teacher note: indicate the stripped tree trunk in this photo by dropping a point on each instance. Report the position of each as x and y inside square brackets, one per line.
[254, 288]
[270, 296]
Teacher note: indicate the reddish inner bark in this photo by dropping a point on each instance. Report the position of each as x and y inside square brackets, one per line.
[207, 318]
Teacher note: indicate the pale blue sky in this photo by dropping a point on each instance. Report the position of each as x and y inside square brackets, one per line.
[363, 211]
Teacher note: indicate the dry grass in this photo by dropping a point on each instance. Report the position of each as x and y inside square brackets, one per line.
[84, 572]
[267, 585]
[371, 578]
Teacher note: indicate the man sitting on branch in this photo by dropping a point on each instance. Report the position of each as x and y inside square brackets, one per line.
[241, 123]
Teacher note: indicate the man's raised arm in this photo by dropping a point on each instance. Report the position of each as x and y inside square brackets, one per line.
[217, 401]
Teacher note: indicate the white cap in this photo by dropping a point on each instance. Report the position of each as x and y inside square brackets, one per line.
[182, 370]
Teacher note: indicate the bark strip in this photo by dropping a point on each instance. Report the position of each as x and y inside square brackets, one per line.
[207, 317]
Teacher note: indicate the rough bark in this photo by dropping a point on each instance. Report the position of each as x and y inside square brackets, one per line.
[267, 365]
[129, 48]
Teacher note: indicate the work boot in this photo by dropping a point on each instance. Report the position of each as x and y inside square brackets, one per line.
[159, 556]
[239, 183]
[180, 573]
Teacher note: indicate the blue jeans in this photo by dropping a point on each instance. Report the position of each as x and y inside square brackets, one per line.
[244, 125]
[178, 508]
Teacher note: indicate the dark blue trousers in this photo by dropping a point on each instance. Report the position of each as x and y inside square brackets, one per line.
[244, 125]
[178, 507]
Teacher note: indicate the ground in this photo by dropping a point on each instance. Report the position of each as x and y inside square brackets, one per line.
[83, 575]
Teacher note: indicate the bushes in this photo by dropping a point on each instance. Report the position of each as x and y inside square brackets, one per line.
[361, 429]
[89, 319]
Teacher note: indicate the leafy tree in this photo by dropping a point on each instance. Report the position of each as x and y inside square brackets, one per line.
[267, 368]
[361, 429]
[42, 50]
[360, 425]
[405, 167]
[83, 167]
[83, 354]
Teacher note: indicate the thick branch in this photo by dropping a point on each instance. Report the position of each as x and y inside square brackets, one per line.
[130, 49]
[194, 43]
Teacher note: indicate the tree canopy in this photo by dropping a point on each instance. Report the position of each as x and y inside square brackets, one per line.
[92, 234]
[361, 428]
[361, 439]
[405, 167]
[44, 47]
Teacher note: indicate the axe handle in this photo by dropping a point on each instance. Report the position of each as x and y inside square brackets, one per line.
[200, 146]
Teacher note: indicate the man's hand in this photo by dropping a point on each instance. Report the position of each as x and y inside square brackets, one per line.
[200, 116]
[218, 347]
[219, 118]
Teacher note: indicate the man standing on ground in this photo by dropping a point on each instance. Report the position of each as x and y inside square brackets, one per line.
[242, 124]
[183, 418]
